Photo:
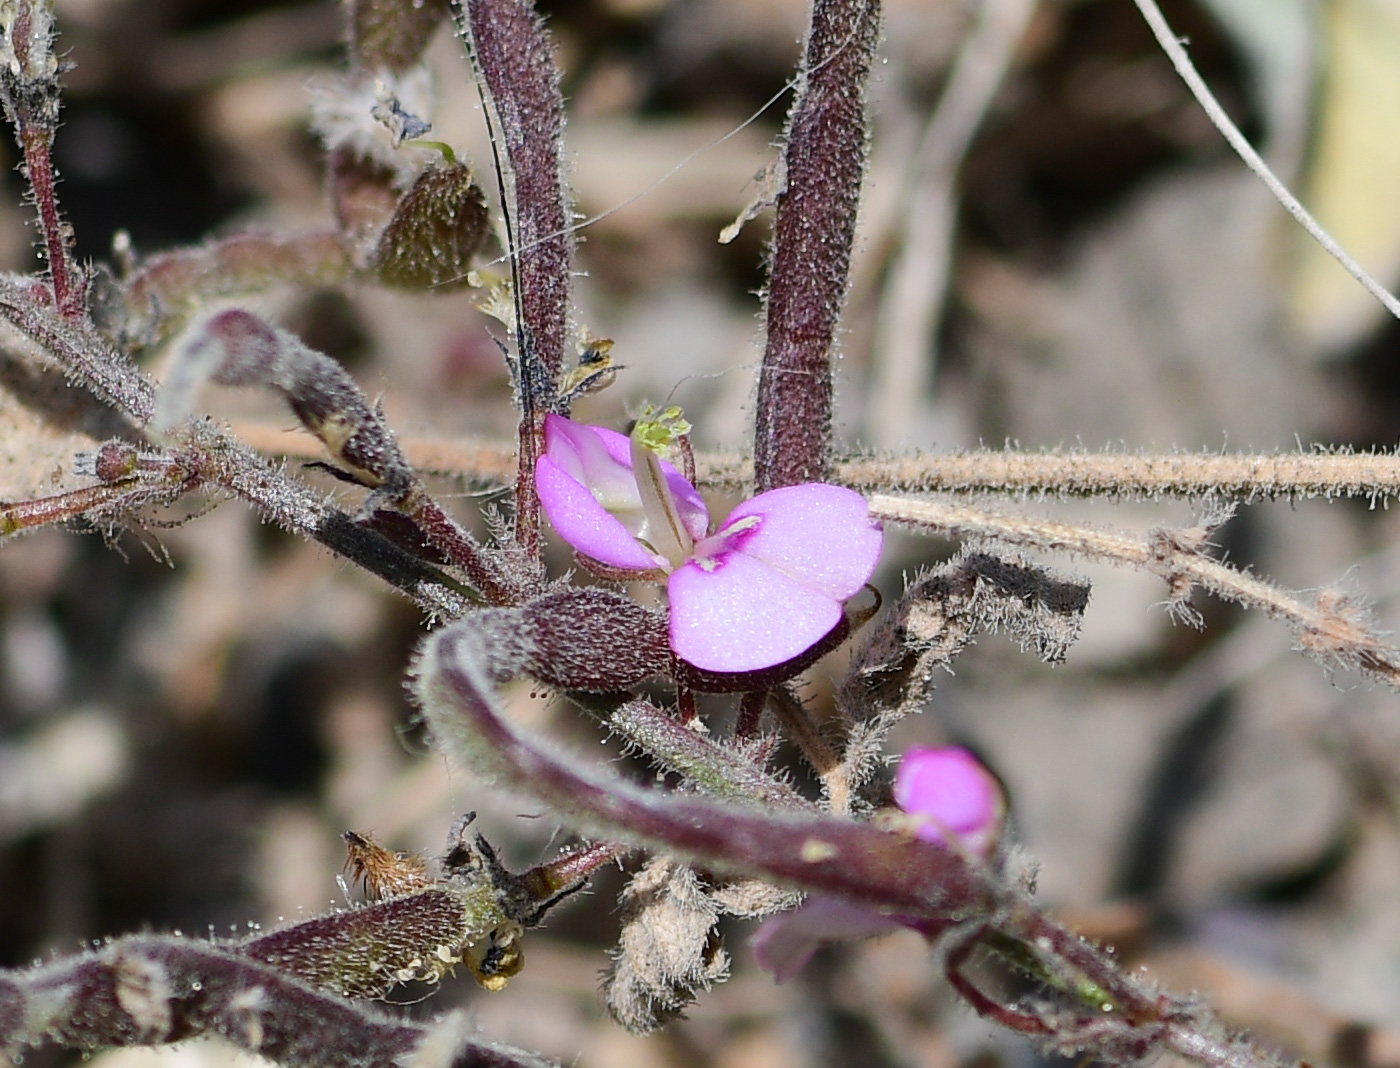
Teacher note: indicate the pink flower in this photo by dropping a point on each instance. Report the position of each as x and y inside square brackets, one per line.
[943, 793]
[763, 588]
[949, 794]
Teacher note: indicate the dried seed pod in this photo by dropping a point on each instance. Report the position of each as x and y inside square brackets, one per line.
[669, 947]
[392, 35]
[436, 229]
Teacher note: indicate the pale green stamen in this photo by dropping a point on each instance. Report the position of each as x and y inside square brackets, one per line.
[664, 532]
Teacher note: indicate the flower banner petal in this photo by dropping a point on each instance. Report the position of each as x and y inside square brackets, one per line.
[601, 460]
[735, 613]
[820, 535]
[692, 508]
[583, 453]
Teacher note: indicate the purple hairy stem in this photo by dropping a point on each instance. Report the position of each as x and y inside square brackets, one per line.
[203, 457]
[170, 283]
[83, 353]
[519, 83]
[807, 851]
[29, 90]
[238, 348]
[154, 990]
[824, 162]
[1090, 1006]
[220, 461]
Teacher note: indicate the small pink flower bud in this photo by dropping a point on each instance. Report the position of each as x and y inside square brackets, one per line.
[951, 795]
[946, 793]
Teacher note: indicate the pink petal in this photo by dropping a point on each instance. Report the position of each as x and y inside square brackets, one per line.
[955, 792]
[818, 535]
[583, 454]
[585, 524]
[785, 943]
[743, 615]
[601, 459]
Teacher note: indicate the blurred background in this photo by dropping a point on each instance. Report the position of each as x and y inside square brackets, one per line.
[1056, 249]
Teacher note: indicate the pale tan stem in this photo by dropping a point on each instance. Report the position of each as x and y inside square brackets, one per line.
[476, 459]
[799, 728]
[1332, 628]
[1263, 476]
[1267, 476]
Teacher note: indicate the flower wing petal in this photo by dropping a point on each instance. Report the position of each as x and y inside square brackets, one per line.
[819, 535]
[584, 523]
[601, 459]
[786, 942]
[585, 455]
[735, 613]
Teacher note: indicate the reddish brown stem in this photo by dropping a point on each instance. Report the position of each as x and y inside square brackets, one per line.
[958, 954]
[1077, 963]
[30, 90]
[751, 707]
[548, 880]
[19, 516]
[527, 505]
[69, 292]
[815, 225]
[687, 452]
[462, 550]
[685, 704]
[519, 84]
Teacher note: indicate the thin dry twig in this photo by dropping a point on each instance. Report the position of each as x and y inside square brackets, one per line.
[1172, 46]
[1247, 477]
[1333, 628]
